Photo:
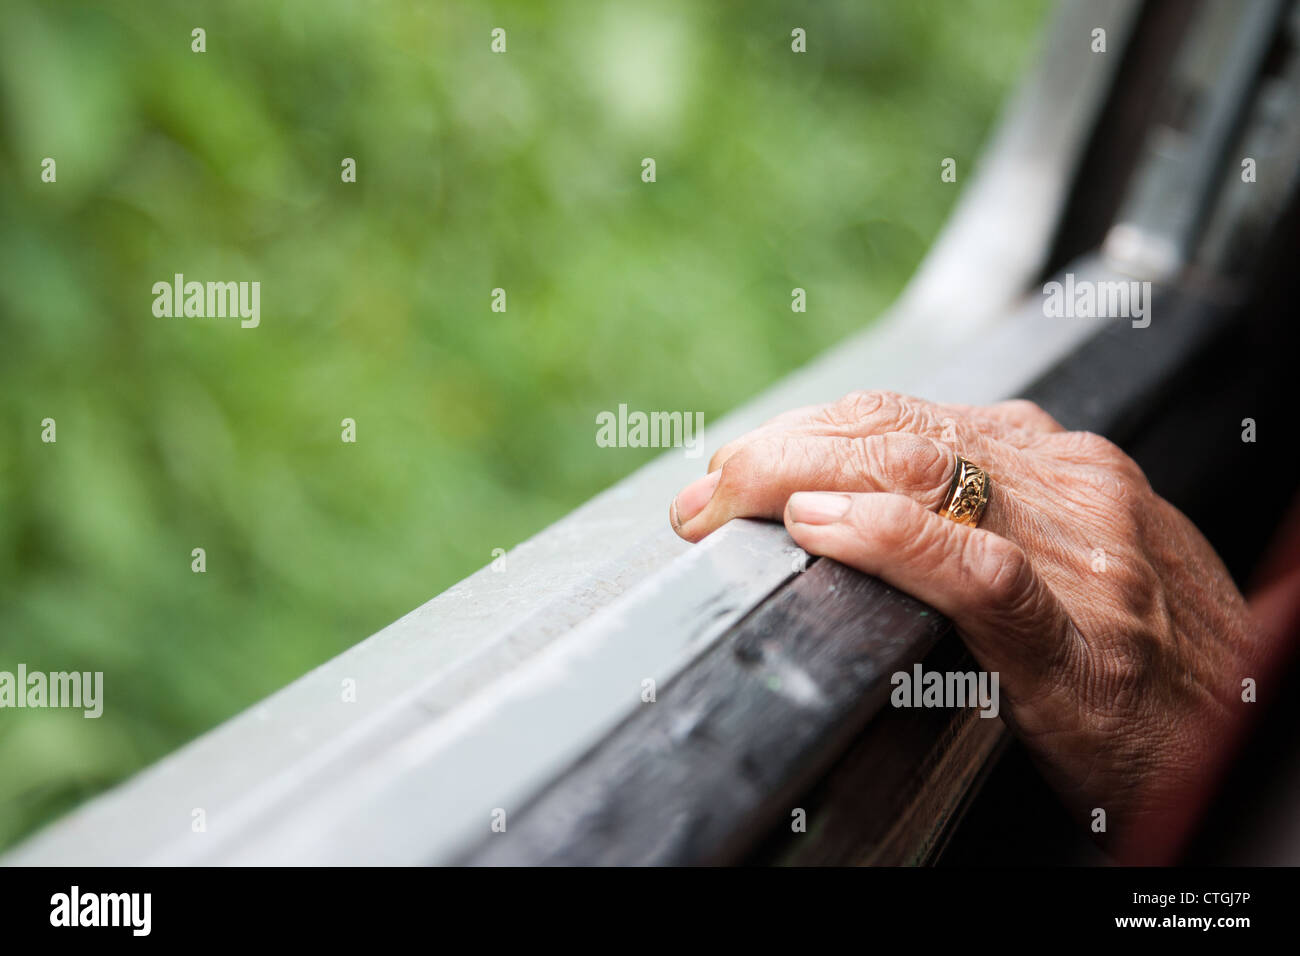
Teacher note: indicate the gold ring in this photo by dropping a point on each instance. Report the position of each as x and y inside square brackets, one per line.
[968, 495]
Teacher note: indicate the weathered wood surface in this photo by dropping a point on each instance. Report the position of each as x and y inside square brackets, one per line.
[896, 795]
[695, 776]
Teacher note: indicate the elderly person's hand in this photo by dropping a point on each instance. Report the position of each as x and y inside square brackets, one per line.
[1120, 639]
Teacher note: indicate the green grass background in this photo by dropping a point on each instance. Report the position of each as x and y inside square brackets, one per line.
[475, 429]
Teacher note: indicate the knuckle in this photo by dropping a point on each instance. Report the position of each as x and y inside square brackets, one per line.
[897, 461]
[1121, 496]
[889, 409]
[931, 464]
[875, 404]
[859, 404]
[1120, 486]
[905, 414]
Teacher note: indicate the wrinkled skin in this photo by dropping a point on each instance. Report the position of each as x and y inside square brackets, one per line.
[1120, 639]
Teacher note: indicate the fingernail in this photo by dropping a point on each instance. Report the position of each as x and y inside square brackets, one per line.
[818, 507]
[691, 500]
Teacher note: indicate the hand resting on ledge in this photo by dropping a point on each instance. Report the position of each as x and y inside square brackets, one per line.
[1121, 641]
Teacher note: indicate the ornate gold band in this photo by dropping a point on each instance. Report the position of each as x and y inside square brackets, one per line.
[968, 495]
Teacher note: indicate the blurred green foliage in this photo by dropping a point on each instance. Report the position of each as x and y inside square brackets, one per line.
[475, 170]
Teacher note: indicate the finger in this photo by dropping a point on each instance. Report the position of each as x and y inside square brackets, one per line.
[855, 415]
[757, 481]
[860, 414]
[985, 583]
[791, 421]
